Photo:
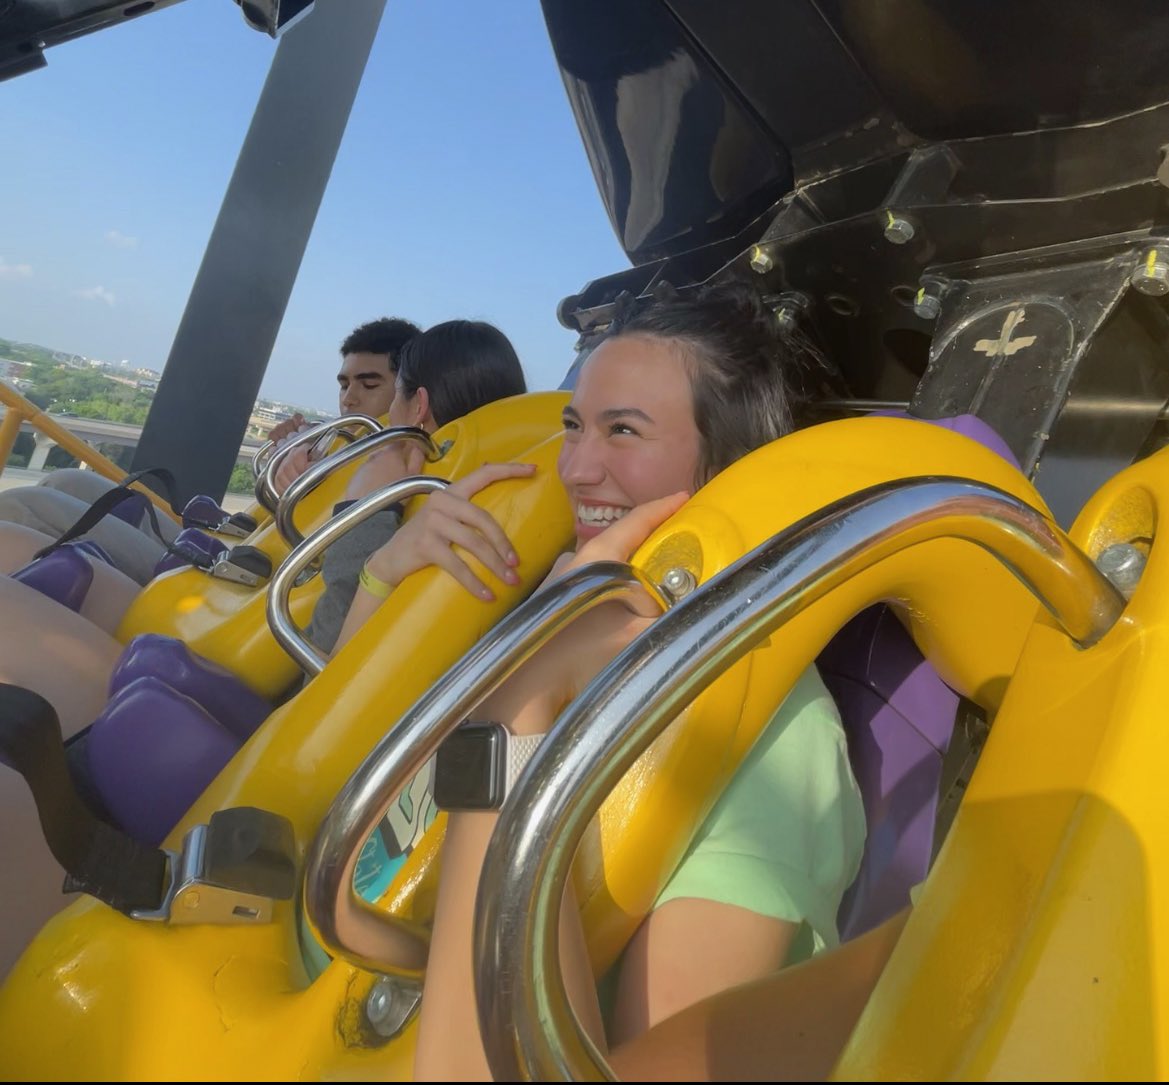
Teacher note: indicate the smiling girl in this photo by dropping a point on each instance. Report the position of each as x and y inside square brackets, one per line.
[672, 396]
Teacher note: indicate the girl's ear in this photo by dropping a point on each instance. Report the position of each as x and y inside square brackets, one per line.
[420, 410]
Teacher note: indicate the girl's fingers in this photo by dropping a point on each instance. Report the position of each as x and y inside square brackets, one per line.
[474, 543]
[450, 561]
[492, 472]
[617, 542]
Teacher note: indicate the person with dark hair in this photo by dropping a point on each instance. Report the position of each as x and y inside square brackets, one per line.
[679, 389]
[441, 374]
[365, 385]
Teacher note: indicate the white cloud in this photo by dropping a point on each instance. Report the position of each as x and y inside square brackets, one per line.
[121, 240]
[97, 293]
[14, 271]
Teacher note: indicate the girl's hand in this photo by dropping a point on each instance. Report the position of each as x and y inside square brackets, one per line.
[291, 468]
[446, 519]
[618, 541]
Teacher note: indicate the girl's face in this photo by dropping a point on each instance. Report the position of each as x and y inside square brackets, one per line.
[630, 435]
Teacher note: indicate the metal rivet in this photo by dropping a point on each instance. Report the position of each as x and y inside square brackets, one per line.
[679, 582]
[1123, 564]
[898, 230]
[390, 1004]
[761, 261]
[1151, 275]
[789, 308]
[927, 305]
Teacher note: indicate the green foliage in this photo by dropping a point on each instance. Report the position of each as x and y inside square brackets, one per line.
[22, 450]
[27, 352]
[86, 394]
[241, 481]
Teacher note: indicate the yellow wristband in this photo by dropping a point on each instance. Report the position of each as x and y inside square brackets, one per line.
[377, 588]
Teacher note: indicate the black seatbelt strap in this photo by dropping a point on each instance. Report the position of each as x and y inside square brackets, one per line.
[98, 859]
[111, 499]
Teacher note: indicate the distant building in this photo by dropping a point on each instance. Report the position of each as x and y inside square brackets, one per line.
[270, 415]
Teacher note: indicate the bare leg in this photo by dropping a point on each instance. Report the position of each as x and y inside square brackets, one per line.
[31, 889]
[67, 660]
[110, 594]
[53, 512]
[61, 655]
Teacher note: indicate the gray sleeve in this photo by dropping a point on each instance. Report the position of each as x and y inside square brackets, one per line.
[341, 569]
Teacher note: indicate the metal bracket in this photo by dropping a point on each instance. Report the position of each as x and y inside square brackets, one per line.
[200, 889]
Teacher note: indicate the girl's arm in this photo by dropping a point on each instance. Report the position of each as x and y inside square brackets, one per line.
[449, 1045]
[446, 519]
[789, 1026]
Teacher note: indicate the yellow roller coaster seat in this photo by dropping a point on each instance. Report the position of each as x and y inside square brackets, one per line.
[227, 622]
[1037, 950]
[97, 994]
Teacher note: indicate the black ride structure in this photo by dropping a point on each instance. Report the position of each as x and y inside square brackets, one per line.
[965, 203]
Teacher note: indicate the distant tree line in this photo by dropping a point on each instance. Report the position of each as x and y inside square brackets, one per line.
[85, 393]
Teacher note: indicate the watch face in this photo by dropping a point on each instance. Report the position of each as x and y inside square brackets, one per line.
[468, 772]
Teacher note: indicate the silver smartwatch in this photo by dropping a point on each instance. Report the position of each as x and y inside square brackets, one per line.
[477, 765]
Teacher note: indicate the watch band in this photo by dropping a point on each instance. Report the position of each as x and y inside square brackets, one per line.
[520, 750]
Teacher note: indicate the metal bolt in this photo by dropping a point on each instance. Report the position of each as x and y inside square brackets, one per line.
[390, 1004]
[761, 262]
[788, 308]
[1123, 564]
[679, 582]
[927, 305]
[898, 230]
[1151, 275]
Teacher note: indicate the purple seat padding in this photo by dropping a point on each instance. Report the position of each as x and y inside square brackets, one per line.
[131, 508]
[64, 575]
[186, 549]
[214, 688]
[151, 753]
[898, 716]
[969, 425]
[93, 549]
[203, 511]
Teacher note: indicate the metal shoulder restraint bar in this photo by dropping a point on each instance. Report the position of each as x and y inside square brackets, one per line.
[529, 1030]
[344, 924]
[279, 608]
[318, 472]
[265, 489]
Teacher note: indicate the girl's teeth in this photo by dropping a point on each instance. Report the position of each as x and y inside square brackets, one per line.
[599, 514]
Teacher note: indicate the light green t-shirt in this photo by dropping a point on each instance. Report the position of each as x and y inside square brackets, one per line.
[786, 837]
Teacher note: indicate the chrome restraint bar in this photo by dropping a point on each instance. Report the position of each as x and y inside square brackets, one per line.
[279, 607]
[345, 925]
[318, 472]
[317, 436]
[529, 1029]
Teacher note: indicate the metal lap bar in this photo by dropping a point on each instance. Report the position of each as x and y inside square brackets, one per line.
[315, 475]
[528, 1027]
[265, 490]
[260, 459]
[284, 629]
[345, 925]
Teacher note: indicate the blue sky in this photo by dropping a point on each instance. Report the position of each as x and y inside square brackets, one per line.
[461, 188]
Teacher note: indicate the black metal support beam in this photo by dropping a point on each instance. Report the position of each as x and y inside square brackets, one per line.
[225, 338]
